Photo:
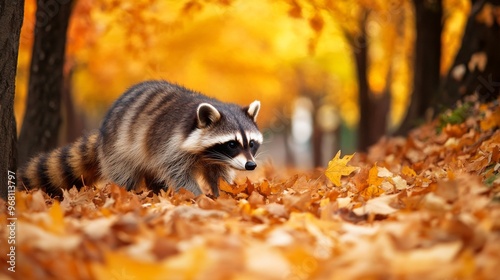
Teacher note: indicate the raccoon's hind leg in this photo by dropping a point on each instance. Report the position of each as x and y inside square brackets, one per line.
[186, 181]
[154, 184]
[132, 183]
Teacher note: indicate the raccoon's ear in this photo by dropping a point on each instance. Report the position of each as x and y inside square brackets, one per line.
[253, 110]
[206, 115]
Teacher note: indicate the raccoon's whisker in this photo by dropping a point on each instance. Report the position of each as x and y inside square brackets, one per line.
[261, 154]
[217, 156]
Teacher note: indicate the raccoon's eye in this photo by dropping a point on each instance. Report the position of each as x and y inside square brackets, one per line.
[251, 144]
[232, 144]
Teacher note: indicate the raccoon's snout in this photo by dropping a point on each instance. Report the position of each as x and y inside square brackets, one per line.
[250, 165]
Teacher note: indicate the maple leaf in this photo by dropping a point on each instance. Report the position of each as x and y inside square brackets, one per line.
[337, 167]
[224, 186]
[373, 176]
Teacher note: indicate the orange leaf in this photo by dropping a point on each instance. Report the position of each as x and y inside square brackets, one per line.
[295, 10]
[224, 186]
[373, 178]
[337, 167]
[57, 216]
[317, 22]
[408, 171]
[118, 265]
[372, 191]
[264, 188]
[491, 120]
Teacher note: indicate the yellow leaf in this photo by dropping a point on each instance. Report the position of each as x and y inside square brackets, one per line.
[408, 171]
[337, 167]
[118, 265]
[373, 178]
[245, 207]
[57, 216]
[371, 191]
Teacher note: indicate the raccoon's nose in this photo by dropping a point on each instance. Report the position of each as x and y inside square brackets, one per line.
[250, 165]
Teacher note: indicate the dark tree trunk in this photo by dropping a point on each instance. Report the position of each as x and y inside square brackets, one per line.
[379, 109]
[372, 110]
[428, 17]
[360, 47]
[72, 120]
[317, 144]
[11, 20]
[42, 119]
[317, 133]
[289, 153]
[480, 43]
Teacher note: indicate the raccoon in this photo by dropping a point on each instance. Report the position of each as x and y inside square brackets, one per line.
[159, 132]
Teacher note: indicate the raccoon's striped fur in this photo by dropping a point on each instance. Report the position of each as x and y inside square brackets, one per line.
[162, 133]
[72, 165]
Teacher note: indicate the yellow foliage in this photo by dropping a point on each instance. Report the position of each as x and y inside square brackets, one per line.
[337, 168]
[373, 178]
[57, 215]
[238, 50]
[408, 171]
[456, 13]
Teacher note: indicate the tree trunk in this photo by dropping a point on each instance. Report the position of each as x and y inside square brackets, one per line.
[317, 133]
[428, 17]
[477, 65]
[372, 110]
[11, 20]
[360, 47]
[42, 119]
[72, 119]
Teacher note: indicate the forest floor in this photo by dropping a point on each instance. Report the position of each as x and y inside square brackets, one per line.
[422, 207]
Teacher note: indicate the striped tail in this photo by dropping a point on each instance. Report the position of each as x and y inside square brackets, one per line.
[73, 165]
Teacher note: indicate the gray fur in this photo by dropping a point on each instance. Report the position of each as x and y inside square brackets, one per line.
[161, 131]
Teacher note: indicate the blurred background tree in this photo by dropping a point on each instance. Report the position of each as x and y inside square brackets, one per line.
[476, 67]
[11, 19]
[42, 118]
[426, 69]
[330, 74]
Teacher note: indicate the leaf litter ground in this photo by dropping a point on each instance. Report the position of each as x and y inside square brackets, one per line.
[422, 207]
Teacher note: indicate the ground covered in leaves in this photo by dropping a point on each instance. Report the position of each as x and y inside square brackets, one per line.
[422, 207]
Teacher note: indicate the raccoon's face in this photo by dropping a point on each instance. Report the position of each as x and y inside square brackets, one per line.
[226, 135]
[239, 151]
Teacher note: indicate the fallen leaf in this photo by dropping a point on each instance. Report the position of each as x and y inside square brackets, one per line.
[337, 168]
[378, 205]
[56, 214]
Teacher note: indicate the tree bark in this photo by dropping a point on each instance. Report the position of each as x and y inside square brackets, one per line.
[317, 134]
[481, 40]
[11, 20]
[72, 120]
[428, 17]
[372, 110]
[42, 119]
[360, 48]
